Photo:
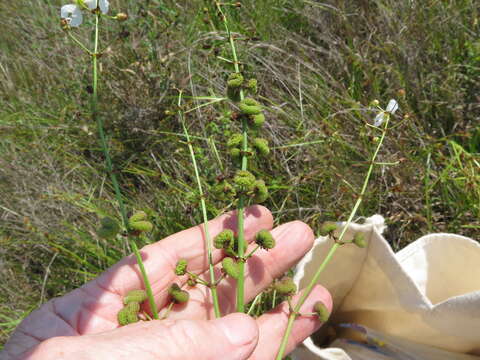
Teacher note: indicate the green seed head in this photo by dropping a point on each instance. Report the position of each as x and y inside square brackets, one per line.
[178, 295]
[286, 287]
[250, 106]
[257, 121]
[138, 216]
[322, 311]
[235, 80]
[230, 267]
[252, 86]
[244, 181]
[129, 314]
[141, 226]
[359, 240]
[135, 296]
[260, 192]
[181, 268]
[224, 190]
[224, 240]
[109, 228]
[327, 228]
[265, 239]
[235, 140]
[261, 146]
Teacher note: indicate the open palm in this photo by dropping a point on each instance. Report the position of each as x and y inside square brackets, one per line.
[84, 322]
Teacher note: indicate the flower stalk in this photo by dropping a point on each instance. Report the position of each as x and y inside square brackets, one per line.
[213, 282]
[296, 309]
[109, 166]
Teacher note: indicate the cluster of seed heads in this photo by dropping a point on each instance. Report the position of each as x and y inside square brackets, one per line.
[131, 309]
[329, 228]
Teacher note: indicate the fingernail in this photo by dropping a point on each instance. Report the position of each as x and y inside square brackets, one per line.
[239, 329]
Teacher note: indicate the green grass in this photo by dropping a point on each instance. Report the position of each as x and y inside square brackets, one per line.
[319, 66]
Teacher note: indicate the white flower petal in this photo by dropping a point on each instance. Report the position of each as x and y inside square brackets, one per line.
[102, 4]
[379, 119]
[72, 14]
[392, 106]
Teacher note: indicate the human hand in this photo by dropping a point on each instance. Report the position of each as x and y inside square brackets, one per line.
[83, 324]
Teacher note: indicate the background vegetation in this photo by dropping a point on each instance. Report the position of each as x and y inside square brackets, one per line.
[320, 64]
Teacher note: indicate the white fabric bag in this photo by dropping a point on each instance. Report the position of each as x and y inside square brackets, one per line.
[422, 303]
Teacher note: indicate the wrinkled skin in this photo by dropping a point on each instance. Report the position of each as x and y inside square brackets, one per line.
[83, 325]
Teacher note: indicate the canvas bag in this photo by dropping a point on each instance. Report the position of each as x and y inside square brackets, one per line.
[421, 303]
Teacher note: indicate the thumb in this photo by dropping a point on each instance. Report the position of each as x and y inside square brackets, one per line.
[233, 337]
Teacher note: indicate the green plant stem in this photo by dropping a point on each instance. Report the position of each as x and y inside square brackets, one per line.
[331, 252]
[213, 283]
[109, 165]
[241, 201]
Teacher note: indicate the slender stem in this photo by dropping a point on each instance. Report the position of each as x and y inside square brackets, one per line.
[208, 238]
[242, 199]
[109, 165]
[331, 252]
[78, 42]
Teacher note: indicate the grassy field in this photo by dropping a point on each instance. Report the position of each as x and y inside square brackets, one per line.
[319, 66]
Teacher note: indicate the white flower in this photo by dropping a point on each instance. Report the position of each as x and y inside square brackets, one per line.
[390, 110]
[72, 14]
[102, 4]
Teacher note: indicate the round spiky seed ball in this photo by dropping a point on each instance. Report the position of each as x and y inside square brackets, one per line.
[224, 239]
[224, 190]
[250, 106]
[235, 140]
[244, 181]
[265, 239]
[181, 268]
[231, 267]
[257, 121]
[141, 226]
[135, 296]
[235, 80]
[109, 228]
[327, 228]
[261, 146]
[138, 216]
[359, 240]
[129, 314]
[252, 86]
[178, 295]
[322, 311]
[286, 287]
[260, 191]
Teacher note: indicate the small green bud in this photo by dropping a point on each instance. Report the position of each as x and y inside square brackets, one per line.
[250, 106]
[231, 267]
[265, 239]
[224, 239]
[244, 181]
[322, 311]
[135, 296]
[235, 80]
[138, 216]
[145, 226]
[129, 314]
[327, 228]
[359, 240]
[261, 145]
[109, 228]
[252, 86]
[192, 280]
[260, 192]
[257, 121]
[178, 295]
[286, 287]
[181, 268]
